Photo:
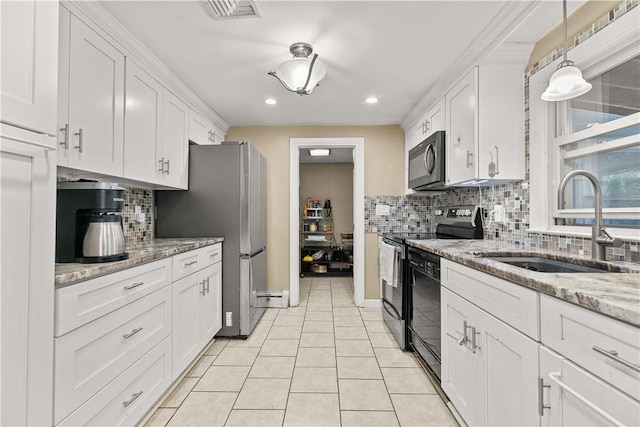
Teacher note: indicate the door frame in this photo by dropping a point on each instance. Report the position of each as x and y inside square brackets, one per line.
[358, 212]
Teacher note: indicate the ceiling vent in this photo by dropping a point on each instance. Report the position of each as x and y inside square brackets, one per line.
[233, 9]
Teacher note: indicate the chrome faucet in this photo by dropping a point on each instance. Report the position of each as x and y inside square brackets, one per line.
[600, 239]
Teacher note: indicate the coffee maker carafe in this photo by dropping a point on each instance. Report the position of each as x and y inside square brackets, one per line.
[89, 222]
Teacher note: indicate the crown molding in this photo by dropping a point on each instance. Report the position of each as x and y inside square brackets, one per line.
[489, 42]
[101, 21]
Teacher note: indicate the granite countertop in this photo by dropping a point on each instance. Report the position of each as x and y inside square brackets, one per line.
[614, 294]
[69, 273]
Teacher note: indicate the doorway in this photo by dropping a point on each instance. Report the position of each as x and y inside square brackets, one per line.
[355, 149]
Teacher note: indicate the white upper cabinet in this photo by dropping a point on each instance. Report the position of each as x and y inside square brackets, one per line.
[485, 125]
[202, 131]
[91, 106]
[29, 52]
[175, 142]
[143, 126]
[433, 120]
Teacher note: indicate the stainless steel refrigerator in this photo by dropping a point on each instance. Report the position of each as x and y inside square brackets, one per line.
[226, 197]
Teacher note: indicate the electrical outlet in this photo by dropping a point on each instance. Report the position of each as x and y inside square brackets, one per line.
[498, 214]
[228, 321]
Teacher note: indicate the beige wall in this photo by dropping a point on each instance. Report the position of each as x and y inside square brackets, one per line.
[384, 174]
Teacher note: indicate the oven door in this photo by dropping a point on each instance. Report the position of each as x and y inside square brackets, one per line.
[393, 299]
[426, 163]
[425, 309]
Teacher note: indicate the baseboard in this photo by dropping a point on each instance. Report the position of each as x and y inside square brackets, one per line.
[373, 303]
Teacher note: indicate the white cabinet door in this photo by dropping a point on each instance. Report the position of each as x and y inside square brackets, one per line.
[200, 129]
[26, 297]
[175, 141]
[143, 126]
[187, 293]
[508, 375]
[462, 129]
[217, 135]
[436, 118]
[489, 370]
[459, 364]
[210, 309]
[29, 49]
[95, 138]
[574, 397]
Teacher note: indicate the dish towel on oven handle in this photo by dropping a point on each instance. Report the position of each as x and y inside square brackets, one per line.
[388, 264]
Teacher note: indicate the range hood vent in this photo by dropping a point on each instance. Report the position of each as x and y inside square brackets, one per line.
[233, 9]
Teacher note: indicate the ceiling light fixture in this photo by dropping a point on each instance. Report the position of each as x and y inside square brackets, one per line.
[315, 152]
[567, 81]
[300, 74]
[371, 100]
[270, 101]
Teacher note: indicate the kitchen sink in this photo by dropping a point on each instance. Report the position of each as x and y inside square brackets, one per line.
[544, 265]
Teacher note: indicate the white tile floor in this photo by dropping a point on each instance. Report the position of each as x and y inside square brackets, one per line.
[324, 363]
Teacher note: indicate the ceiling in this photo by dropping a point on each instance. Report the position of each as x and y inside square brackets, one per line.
[393, 50]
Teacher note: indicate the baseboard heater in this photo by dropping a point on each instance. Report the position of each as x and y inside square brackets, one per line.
[273, 299]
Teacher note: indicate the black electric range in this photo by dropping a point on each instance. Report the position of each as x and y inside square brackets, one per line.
[453, 222]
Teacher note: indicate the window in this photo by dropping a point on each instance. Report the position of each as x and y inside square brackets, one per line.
[598, 132]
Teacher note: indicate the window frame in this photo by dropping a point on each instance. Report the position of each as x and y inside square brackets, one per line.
[613, 45]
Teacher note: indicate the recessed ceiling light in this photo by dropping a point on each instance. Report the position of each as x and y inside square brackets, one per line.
[371, 100]
[319, 152]
[270, 101]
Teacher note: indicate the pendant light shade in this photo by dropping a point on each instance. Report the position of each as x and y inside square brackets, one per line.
[300, 74]
[567, 81]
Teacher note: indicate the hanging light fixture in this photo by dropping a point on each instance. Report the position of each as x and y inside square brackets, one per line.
[567, 81]
[300, 74]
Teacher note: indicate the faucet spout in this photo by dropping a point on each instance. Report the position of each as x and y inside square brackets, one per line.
[600, 239]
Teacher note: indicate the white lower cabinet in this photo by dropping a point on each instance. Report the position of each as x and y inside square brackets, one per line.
[489, 369]
[126, 399]
[572, 396]
[88, 358]
[197, 314]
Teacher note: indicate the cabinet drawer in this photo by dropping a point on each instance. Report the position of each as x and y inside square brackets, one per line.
[577, 333]
[192, 261]
[81, 303]
[516, 305]
[125, 400]
[89, 357]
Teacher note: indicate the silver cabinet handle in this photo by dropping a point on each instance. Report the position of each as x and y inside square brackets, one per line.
[135, 285]
[132, 333]
[134, 396]
[612, 354]
[497, 160]
[161, 162]
[541, 405]
[469, 156]
[203, 291]
[207, 280]
[428, 127]
[80, 135]
[214, 254]
[190, 263]
[463, 340]
[166, 162]
[554, 376]
[65, 143]
[474, 345]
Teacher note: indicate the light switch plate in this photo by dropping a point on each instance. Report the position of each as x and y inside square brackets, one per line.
[498, 214]
[383, 210]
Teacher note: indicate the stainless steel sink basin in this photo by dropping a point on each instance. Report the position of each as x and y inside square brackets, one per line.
[544, 265]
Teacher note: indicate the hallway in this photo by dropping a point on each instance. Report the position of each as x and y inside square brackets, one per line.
[324, 363]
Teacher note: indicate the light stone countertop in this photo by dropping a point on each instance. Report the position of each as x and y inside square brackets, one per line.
[614, 294]
[69, 273]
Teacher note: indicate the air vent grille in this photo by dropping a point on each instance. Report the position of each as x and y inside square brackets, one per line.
[233, 9]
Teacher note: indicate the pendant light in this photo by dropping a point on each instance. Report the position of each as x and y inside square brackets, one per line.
[300, 74]
[567, 81]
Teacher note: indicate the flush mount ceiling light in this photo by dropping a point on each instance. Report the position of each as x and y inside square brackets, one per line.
[270, 101]
[300, 74]
[371, 100]
[567, 81]
[315, 152]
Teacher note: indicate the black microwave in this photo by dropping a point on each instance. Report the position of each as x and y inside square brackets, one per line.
[426, 164]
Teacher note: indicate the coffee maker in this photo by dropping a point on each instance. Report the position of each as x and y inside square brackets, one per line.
[89, 222]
